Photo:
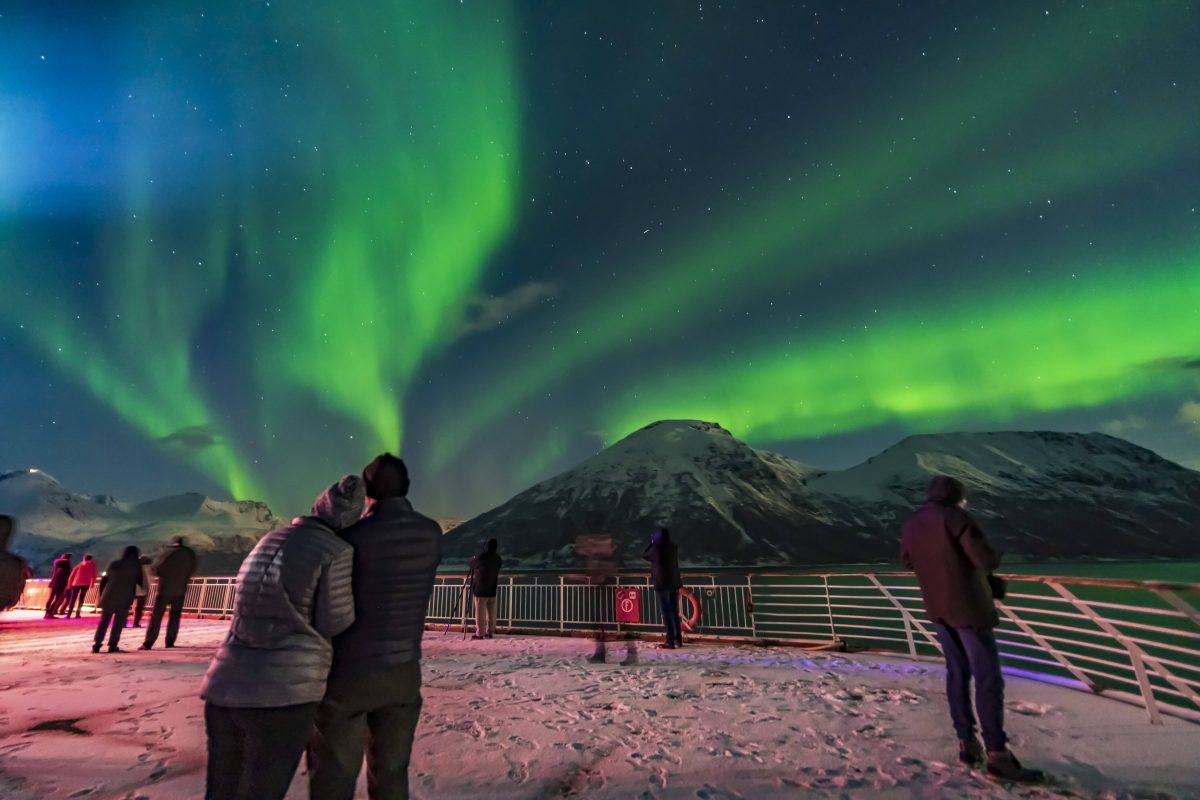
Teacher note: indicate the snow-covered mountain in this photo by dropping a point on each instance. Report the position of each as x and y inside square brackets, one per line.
[1037, 494]
[51, 519]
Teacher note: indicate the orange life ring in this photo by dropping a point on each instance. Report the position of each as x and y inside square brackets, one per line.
[692, 622]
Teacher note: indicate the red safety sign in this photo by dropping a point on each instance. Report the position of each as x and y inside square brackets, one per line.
[629, 605]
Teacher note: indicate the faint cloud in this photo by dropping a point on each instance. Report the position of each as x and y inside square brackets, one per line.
[1124, 425]
[1185, 363]
[192, 439]
[1189, 414]
[486, 311]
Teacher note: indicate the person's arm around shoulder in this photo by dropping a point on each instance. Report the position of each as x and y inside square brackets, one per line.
[333, 605]
[975, 544]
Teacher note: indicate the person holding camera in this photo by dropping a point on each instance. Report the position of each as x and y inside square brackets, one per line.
[953, 561]
[485, 577]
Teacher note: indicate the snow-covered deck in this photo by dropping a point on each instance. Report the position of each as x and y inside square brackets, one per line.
[528, 718]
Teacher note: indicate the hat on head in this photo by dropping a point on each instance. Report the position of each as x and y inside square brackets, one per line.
[341, 504]
[386, 476]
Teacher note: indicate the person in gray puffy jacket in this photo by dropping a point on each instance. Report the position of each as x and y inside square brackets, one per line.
[261, 692]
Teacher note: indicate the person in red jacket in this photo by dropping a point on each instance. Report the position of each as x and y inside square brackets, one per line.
[82, 578]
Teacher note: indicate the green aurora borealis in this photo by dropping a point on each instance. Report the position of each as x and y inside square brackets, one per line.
[259, 246]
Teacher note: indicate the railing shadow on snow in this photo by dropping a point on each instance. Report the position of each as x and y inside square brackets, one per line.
[1134, 641]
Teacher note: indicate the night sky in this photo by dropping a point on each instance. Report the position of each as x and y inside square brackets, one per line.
[246, 246]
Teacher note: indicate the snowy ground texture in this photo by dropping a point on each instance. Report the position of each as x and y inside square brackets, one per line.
[528, 718]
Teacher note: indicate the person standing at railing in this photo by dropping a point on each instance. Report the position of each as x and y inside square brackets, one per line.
[139, 602]
[263, 686]
[602, 560]
[174, 567]
[374, 694]
[663, 556]
[117, 589]
[60, 577]
[952, 558]
[82, 578]
[485, 580]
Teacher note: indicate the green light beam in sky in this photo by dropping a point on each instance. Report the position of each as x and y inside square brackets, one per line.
[420, 194]
[867, 202]
[989, 354]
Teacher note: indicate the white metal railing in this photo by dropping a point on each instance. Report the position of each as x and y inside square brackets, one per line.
[1137, 641]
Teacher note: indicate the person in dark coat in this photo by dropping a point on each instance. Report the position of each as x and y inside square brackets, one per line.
[952, 558]
[60, 577]
[174, 567]
[117, 589]
[374, 693]
[663, 556]
[14, 570]
[263, 685]
[485, 579]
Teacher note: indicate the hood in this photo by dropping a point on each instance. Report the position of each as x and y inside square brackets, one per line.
[660, 537]
[492, 545]
[944, 491]
[341, 504]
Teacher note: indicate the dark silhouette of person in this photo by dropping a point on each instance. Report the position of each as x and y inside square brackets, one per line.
[485, 580]
[602, 561]
[263, 685]
[82, 578]
[143, 592]
[117, 589]
[374, 692]
[60, 576]
[663, 556]
[174, 567]
[952, 558]
[14, 570]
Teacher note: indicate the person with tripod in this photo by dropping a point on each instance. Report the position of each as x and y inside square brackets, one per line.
[485, 577]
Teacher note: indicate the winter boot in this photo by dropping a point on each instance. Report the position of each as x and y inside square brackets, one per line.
[95, 648]
[1004, 765]
[596, 657]
[969, 752]
[630, 659]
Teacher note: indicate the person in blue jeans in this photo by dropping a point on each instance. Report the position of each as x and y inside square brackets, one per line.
[663, 556]
[953, 561]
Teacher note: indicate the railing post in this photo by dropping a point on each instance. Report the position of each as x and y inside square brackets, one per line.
[562, 607]
[510, 601]
[829, 608]
[750, 606]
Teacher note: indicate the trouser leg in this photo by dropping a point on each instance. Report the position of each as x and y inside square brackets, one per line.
[673, 604]
[105, 617]
[119, 619]
[335, 748]
[226, 753]
[176, 604]
[75, 600]
[274, 742]
[984, 657]
[491, 616]
[480, 616]
[958, 681]
[156, 615]
[391, 731]
[139, 610]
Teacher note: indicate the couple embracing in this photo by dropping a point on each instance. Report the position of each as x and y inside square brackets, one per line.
[324, 649]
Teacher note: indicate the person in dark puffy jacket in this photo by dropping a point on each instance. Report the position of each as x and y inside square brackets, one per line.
[263, 685]
[117, 589]
[173, 567]
[14, 570]
[952, 558]
[485, 579]
[663, 556]
[374, 692]
[60, 577]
